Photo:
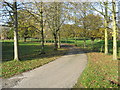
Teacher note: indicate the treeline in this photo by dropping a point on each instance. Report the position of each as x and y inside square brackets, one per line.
[56, 20]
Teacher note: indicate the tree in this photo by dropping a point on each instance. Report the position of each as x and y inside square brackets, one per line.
[55, 21]
[92, 24]
[38, 11]
[26, 22]
[66, 31]
[104, 12]
[10, 34]
[16, 54]
[4, 31]
[114, 30]
[107, 19]
[81, 10]
[106, 27]
[13, 8]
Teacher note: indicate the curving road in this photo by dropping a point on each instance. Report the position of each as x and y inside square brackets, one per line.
[61, 73]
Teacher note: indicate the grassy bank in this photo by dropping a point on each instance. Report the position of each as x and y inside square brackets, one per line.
[29, 57]
[101, 72]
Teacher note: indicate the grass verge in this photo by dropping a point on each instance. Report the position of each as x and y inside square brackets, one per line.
[30, 58]
[101, 72]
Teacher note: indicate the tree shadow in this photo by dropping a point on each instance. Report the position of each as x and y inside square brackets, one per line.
[99, 46]
[118, 58]
[30, 51]
[52, 41]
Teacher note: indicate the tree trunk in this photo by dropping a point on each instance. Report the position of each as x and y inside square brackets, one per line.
[45, 40]
[59, 40]
[106, 28]
[75, 41]
[42, 43]
[84, 42]
[119, 51]
[25, 39]
[42, 31]
[114, 30]
[51, 40]
[55, 42]
[106, 38]
[16, 50]
[66, 40]
[92, 43]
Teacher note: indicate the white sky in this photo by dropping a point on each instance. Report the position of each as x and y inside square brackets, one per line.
[61, 0]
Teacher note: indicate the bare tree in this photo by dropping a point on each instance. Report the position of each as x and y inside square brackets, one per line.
[55, 21]
[104, 12]
[38, 11]
[81, 10]
[13, 17]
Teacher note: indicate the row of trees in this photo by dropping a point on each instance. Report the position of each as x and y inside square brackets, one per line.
[108, 11]
[107, 19]
[40, 19]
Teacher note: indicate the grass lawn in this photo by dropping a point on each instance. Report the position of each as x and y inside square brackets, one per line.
[101, 72]
[29, 57]
[98, 45]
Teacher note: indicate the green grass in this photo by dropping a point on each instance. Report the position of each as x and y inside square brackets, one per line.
[29, 57]
[101, 72]
[98, 45]
[99, 66]
[26, 49]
